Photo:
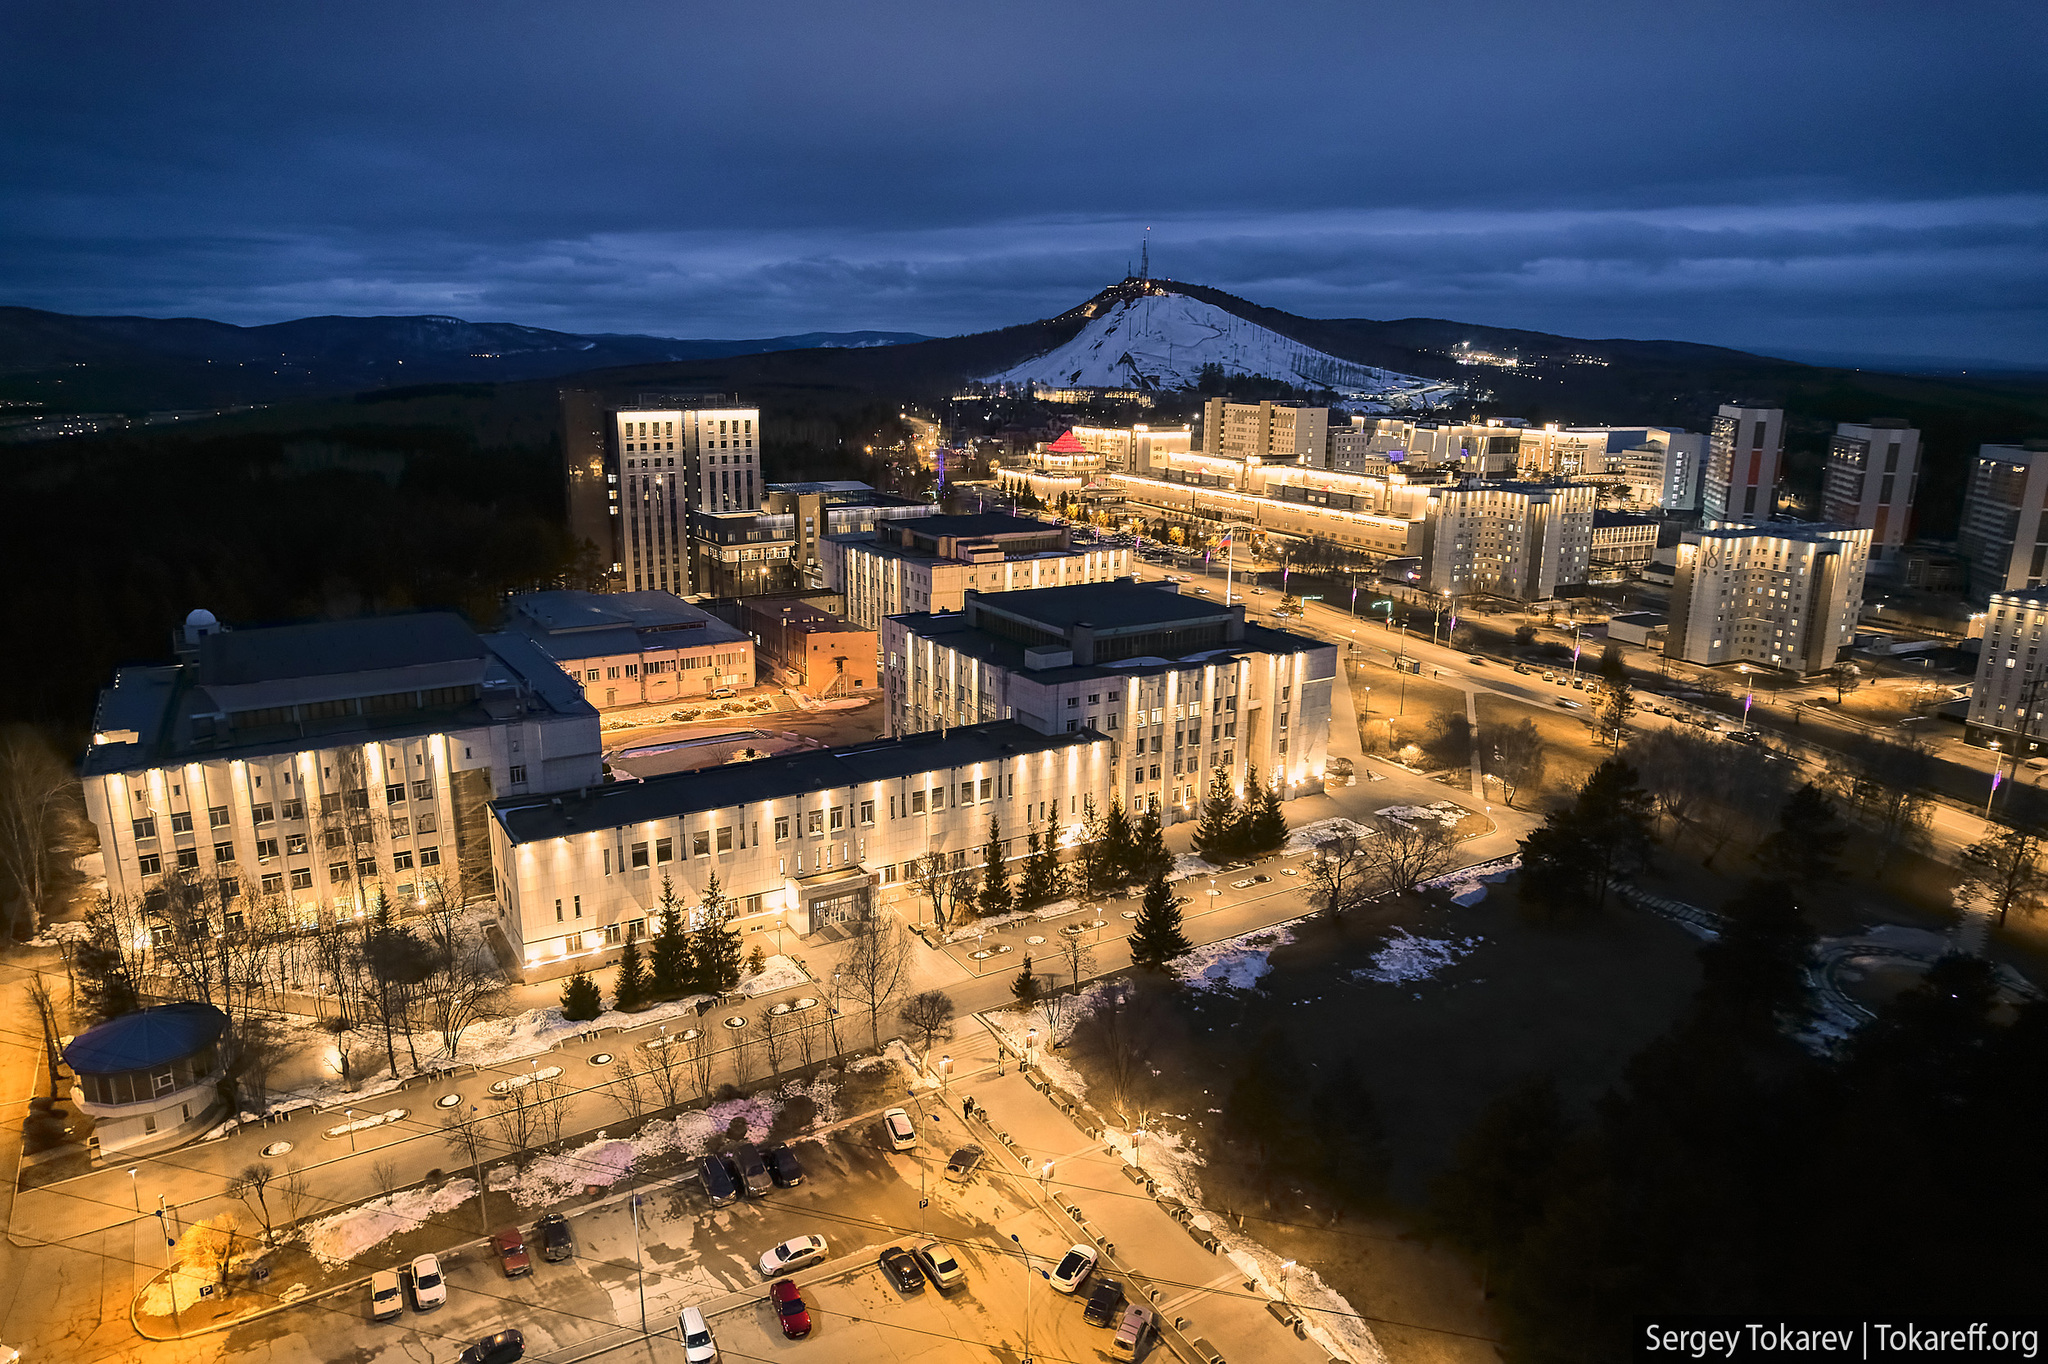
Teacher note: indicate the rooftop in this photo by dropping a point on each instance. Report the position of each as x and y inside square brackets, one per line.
[618, 804]
[1615, 518]
[577, 625]
[1105, 606]
[145, 1039]
[325, 648]
[976, 526]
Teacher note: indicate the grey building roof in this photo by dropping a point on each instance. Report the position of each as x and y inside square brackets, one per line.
[1107, 606]
[951, 631]
[576, 625]
[323, 648]
[146, 1039]
[1603, 519]
[618, 804]
[972, 526]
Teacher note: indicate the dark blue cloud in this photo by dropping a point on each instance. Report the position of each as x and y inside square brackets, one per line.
[1753, 174]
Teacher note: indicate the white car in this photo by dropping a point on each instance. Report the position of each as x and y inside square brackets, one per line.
[387, 1300]
[902, 1131]
[698, 1346]
[429, 1289]
[799, 1252]
[1074, 1268]
[939, 1265]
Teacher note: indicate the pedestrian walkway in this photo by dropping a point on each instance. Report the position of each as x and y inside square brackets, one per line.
[1091, 1189]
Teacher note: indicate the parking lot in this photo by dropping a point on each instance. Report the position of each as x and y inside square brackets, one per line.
[860, 1196]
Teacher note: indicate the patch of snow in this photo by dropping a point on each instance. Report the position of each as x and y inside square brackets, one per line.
[346, 1235]
[1235, 963]
[1309, 836]
[57, 934]
[1055, 909]
[1467, 886]
[1409, 958]
[777, 973]
[1163, 340]
[977, 926]
[1189, 864]
[1014, 1026]
[1444, 812]
[553, 1178]
[867, 1063]
[1327, 1317]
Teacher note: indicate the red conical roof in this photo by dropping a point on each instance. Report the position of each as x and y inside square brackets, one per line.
[1066, 445]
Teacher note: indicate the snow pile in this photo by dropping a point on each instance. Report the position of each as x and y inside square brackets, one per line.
[1309, 836]
[1188, 864]
[1164, 1155]
[1014, 1025]
[1056, 909]
[691, 1134]
[1467, 885]
[346, 1235]
[1163, 340]
[57, 934]
[498, 1040]
[553, 1178]
[1234, 963]
[823, 1094]
[184, 1284]
[1329, 1319]
[1444, 812]
[975, 927]
[1407, 957]
[777, 973]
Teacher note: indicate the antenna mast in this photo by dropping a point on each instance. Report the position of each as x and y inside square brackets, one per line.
[1146, 255]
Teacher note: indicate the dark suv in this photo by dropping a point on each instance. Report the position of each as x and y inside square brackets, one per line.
[784, 1168]
[719, 1186]
[1104, 1304]
[556, 1241]
[754, 1181]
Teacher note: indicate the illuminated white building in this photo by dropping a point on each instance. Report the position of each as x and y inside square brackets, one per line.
[328, 766]
[1785, 595]
[1873, 472]
[931, 562]
[1518, 540]
[1180, 685]
[673, 461]
[2004, 531]
[1134, 447]
[1743, 458]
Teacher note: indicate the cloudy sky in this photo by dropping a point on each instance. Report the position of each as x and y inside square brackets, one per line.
[1813, 176]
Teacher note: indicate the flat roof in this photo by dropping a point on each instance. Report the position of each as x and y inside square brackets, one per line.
[531, 819]
[578, 625]
[324, 648]
[973, 525]
[953, 632]
[1111, 606]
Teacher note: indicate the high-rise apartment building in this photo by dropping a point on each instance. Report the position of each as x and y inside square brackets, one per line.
[1288, 432]
[1517, 540]
[2004, 534]
[1784, 595]
[2006, 703]
[1662, 466]
[648, 464]
[1873, 471]
[1743, 462]
[1134, 447]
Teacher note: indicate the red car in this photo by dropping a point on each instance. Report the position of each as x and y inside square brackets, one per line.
[790, 1309]
[511, 1248]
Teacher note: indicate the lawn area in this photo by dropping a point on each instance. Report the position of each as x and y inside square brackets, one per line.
[1567, 742]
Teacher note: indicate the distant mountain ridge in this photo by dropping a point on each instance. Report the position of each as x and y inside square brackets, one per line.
[127, 362]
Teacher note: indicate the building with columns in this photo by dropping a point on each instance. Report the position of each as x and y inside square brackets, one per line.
[929, 563]
[330, 767]
[1178, 685]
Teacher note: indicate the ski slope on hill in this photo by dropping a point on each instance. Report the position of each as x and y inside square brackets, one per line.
[1164, 340]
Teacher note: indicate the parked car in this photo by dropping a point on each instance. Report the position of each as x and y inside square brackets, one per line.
[961, 1167]
[502, 1348]
[719, 1187]
[784, 1168]
[939, 1265]
[899, 1266]
[721, 693]
[798, 1252]
[790, 1311]
[902, 1131]
[754, 1180]
[1073, 1269]
[1183, 900]
[511, 1248]
[1105, 1303]
[1250, 881]
[1742, 736]
[387, 1299]
[429, 1290]
[556, 1240]
[1131, 1332]
[698, 1345]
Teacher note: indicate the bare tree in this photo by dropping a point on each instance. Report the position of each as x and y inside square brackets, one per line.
[1882, 781]
[942, 879]
[1720, 793]
[463, 984]
[929, 1014]
[1119, 1037]
[1077, 957]
[46, 1015]
[774, 1038]
[40, 828]
[1404, 852]
[667, 1061]
[518, 1119]
[551, 1108]
[701, 1056]
[384, 1174]
[2004, 871]
[805, 1029]
[294, 1195]
[1518, 759]
[464, 1130]
[628, 1087]
[261, 1048]
[1340, 876]
[876, 966]
[740, 1038]
[342, 1062]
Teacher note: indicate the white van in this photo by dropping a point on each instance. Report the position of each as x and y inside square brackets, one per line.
[698, 1346]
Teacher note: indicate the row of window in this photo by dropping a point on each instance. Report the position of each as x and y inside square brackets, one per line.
[187, 859]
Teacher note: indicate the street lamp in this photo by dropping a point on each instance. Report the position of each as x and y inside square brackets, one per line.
[1285, 1267]
[134, 1188]
[349, 1116]
[1025, 1255]
[1030, 1044]
[1997, 766]
[778, 932]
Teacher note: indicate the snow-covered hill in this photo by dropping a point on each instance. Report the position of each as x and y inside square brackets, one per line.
[1163, 340]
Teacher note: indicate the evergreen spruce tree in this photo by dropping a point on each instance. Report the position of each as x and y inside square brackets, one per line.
[1808, 839]
[1149, 856]
[1266, 827]
[1056, 878]
[1092, 869]
[1041, 866]
[1117, 844]
[580, 1000]
[1026, 988]
[629, 991]
[1217, 833]
[669, 973]
[1570, 863]
[1156, 936]
[715, 946]
[995, 896]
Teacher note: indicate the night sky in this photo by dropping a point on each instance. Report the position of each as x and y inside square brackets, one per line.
[1867, 178]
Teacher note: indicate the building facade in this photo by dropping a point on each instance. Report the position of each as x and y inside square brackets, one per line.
[2012, 675]
[1521, 541]
[1784, 595]
[1873, 472]
[1745, 452]
[803, 645]
[1624, 541]
[2004, 535]
[814, 838]
[1178, 685]
[929, 563]
[1134, 447]
[776, 549]
[328, 767]
[633, 648]
[1663, 468]
[1267, 431]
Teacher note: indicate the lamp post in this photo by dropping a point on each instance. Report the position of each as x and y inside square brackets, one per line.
[1030, 1044]
[1025, 1255]
[170, 1277]
[778, 932]
[476, 1167]
[945, 1074]
[349, 1116]
[134, 1188]
[639, 1265]
[1285, 1267]
[1997, 766]
[1748, 691]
